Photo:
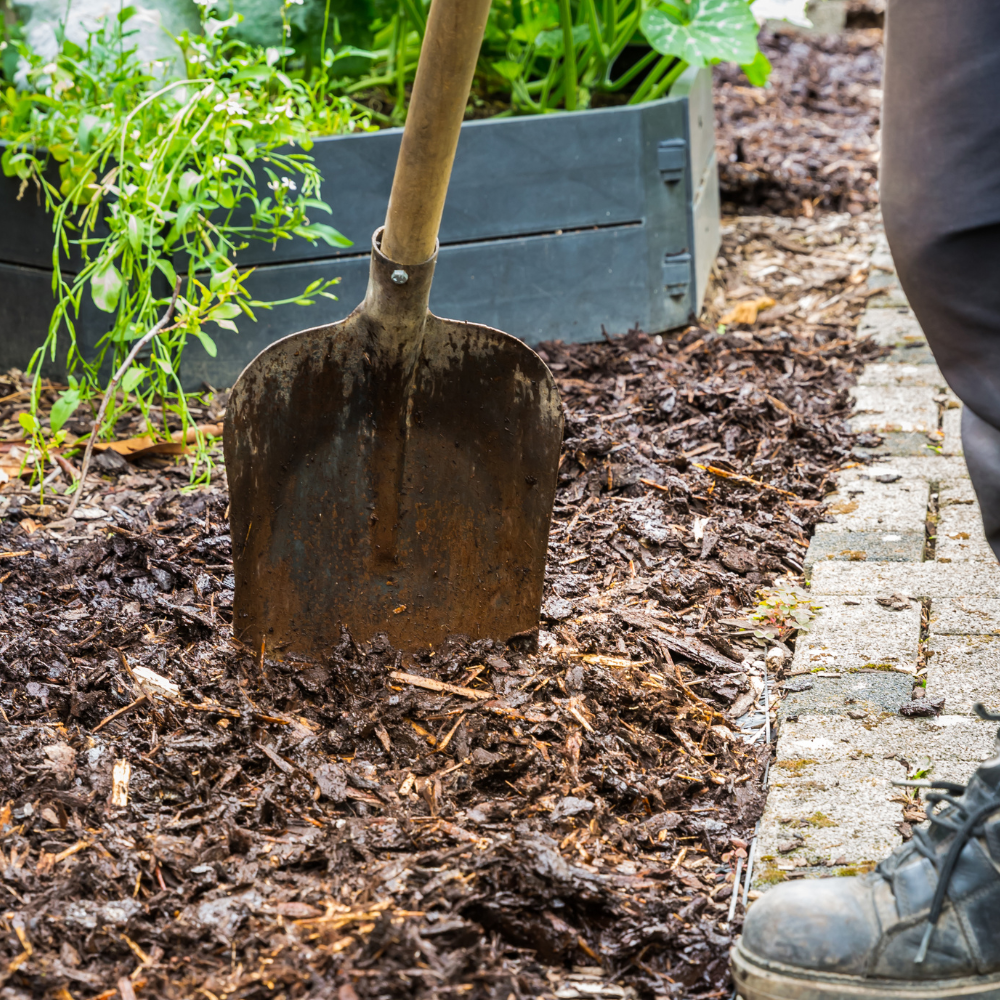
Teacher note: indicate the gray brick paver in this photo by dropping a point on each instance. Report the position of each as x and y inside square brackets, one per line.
[841, 740]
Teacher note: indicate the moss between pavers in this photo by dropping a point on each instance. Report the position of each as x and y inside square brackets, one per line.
[795, 766]
[861, 868]
[821, 820]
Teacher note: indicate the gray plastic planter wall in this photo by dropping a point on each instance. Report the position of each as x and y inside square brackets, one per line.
[555, 226]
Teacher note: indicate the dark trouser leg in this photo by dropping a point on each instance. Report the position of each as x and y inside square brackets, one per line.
[981, 443]
[940, 185]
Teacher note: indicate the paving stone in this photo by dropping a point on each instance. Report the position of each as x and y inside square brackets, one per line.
[964, 670]
[902, 373]
[956, 490]
[893, 408]
[865, 546]
[960, 771]
[946, 738]
[853, 636]
[893, 298]
[952, 427]
[930, 467]
[965, 616]
[842, 810]
[868, 505]
[960, 535]
[891, 327]
[866, 693]
[927, 579]
[903, 444]
[911, 354]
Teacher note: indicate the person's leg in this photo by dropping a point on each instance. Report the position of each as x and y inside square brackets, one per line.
[940, 192]
[981, 442]
[884, 936]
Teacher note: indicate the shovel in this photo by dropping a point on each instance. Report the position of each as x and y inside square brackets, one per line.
[395, 472]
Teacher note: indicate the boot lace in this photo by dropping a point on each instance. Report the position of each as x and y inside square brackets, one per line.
[954, 817]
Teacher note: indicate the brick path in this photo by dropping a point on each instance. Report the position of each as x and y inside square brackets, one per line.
[907, 524]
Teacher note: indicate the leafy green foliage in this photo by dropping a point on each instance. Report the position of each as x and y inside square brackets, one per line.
[543, 55]
[149, 183]
[702, 31]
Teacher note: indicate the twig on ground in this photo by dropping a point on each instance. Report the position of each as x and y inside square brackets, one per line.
[142, 699]
[722, 474]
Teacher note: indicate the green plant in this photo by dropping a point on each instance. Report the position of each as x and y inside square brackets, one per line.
[544, 55]
[153, 184]
[778, 610]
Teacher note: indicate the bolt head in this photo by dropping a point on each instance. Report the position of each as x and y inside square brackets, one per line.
[399, 276]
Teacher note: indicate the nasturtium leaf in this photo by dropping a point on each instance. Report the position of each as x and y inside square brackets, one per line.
[105, 287]
[133, 377]
[702, 31]
[63, 408]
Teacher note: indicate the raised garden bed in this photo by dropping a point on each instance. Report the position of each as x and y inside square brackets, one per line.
[556, 226]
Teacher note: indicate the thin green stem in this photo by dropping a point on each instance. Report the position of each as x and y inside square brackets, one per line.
[569, 54]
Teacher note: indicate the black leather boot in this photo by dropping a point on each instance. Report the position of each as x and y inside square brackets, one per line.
[925, 925]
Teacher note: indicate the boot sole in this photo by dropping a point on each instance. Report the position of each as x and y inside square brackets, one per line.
[757, 979]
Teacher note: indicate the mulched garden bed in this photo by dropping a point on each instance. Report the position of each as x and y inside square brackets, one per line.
[807, 141]
[181, 816]
[561, 822]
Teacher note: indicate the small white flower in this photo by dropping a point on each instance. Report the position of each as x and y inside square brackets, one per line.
[287, 182]
[231, 106]
[135, 135]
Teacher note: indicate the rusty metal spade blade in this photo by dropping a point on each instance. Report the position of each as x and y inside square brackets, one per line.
[395, 472]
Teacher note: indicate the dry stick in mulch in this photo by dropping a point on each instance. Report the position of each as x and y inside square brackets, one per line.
[112, 387]
[722, 474]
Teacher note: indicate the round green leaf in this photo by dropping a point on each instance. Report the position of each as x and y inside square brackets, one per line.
[703, 31]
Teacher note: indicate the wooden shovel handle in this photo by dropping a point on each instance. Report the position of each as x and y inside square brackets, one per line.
[440, 93]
